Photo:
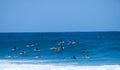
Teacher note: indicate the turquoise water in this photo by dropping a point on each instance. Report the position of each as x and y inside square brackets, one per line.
[100, 47]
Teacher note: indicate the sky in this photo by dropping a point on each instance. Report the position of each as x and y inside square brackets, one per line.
[59, 15]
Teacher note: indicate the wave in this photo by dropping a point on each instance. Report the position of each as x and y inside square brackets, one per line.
[7, 65]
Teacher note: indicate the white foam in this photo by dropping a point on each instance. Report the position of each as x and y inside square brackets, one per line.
[6, 65]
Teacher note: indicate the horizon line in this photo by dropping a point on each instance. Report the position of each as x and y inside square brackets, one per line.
[60, 32]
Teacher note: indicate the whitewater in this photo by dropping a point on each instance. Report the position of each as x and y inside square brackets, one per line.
[7, 65]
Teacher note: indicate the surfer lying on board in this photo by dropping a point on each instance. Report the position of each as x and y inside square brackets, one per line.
[86, 57]
[72, 42]
[57, 49]
[61, 42]
[53, 48]
[60, 48]
[31, 44]
[83, 52]
[37, 56]
[36, 49]
[22, 52]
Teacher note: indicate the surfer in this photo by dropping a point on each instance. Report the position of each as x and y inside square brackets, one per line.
[60, 48]
[74, 42]
[14, 48]
[86, 57]
[37, 56]
[61, 42]
[53, 48]
[30, 45]
[73, 57]
[8, 56]
[36, 49]
[83, 52]
[22, 52]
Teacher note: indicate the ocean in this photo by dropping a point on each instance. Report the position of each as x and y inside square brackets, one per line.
[60, 51]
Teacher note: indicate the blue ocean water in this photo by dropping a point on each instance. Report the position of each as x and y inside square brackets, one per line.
[91, 48]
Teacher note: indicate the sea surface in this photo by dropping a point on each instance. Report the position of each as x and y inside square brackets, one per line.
[80, 51]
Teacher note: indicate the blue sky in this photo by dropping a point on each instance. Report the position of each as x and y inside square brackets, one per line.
[59, 15]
